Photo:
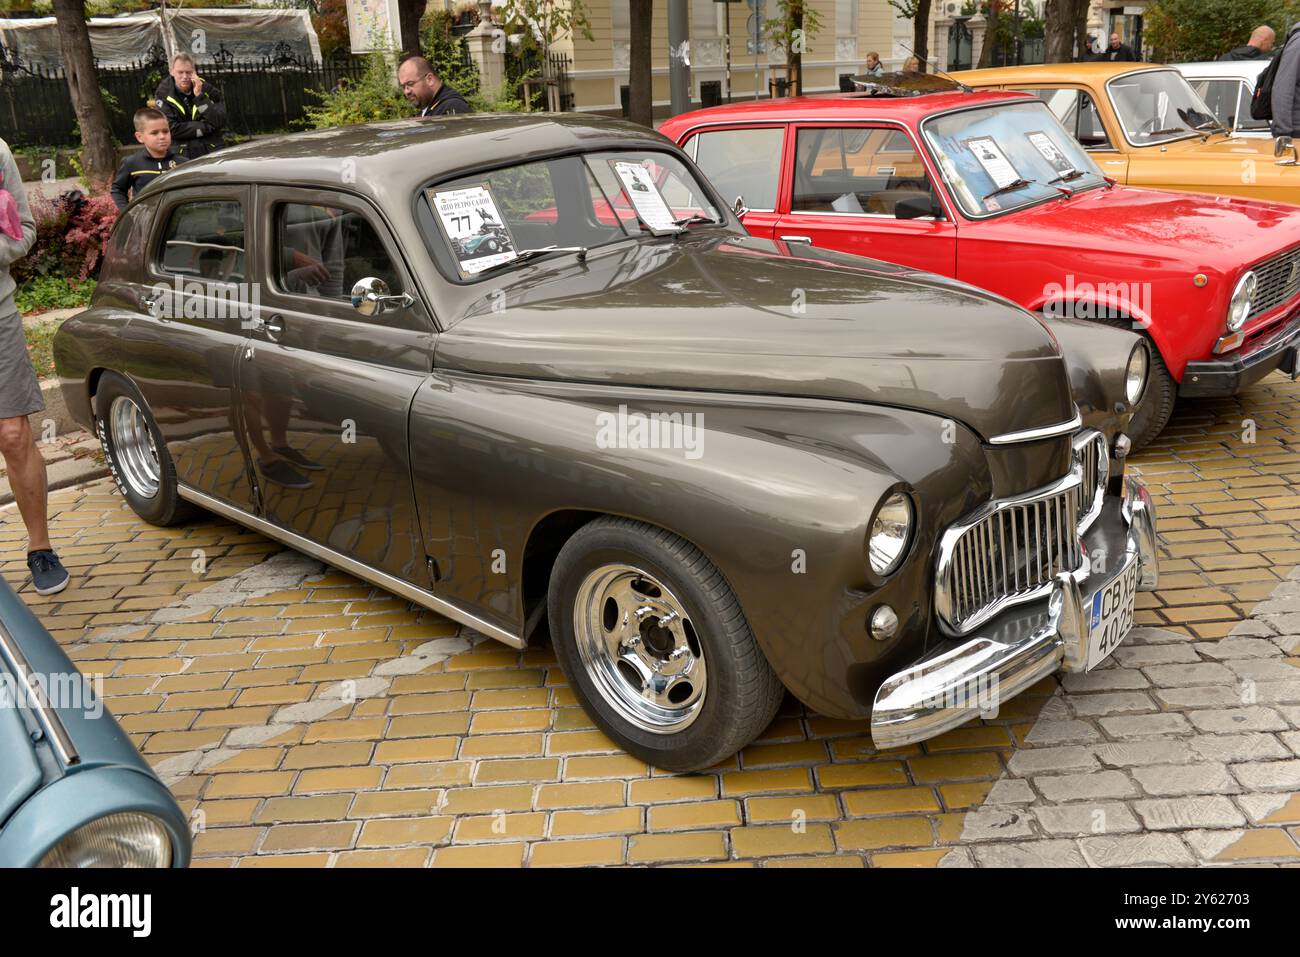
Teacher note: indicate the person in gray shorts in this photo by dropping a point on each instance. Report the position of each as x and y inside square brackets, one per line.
[20, 393]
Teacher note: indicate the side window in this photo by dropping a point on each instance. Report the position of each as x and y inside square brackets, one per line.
[856, 170]
[1244, 120]
[204, 240]
[1078, 114]
[1222, 97]
[742, 163]
[322, 251]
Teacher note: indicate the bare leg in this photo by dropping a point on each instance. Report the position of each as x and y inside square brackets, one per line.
[27, 478]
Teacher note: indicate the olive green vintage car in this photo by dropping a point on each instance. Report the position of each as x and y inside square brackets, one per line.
[531, 369]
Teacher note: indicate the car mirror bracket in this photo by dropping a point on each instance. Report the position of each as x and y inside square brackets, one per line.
[370, 297]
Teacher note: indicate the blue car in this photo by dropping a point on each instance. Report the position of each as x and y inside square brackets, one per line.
[74, 791]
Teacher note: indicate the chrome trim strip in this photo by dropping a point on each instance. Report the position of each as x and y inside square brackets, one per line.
[363, 571]
[1100, 474]
[45, 713]
[1044, 432]
[948, 590]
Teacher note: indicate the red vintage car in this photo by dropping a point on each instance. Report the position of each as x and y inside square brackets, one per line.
[989, 188]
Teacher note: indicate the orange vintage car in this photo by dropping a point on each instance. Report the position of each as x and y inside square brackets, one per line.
[1145, 126]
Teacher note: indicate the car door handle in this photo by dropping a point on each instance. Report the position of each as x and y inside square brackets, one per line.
[273, 325]
[797, 239]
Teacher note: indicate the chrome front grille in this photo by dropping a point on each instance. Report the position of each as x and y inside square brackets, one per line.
[1279, 281]
[1007, 553]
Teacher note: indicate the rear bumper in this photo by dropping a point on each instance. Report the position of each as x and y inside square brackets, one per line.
[967, 677]
[1231, 374]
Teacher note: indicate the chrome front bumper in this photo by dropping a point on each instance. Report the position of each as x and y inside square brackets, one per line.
[961, 681]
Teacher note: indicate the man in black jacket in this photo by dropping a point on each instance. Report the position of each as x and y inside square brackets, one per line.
[1118, 50]
[425, 89]
[1260, 46]
[196, 120]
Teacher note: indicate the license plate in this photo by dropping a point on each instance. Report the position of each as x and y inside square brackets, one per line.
[1111, 615]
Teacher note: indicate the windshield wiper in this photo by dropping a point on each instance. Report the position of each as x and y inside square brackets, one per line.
[1021, 183]
[694, 219]
[1068, 176]
[526, 254]
[1172, 129]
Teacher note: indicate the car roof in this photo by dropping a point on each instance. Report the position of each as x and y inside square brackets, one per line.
[1241, 69]
[1097, 71]
[390, 160]
[833, 106]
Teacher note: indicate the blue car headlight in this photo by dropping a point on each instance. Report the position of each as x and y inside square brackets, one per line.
[126, 839]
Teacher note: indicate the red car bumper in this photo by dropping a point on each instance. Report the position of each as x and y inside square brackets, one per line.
[1229, 375]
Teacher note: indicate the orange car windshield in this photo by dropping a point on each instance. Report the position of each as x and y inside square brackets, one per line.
[1158, 106]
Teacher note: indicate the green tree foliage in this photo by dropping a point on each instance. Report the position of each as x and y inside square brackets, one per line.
[1206, 29]
[372, 96]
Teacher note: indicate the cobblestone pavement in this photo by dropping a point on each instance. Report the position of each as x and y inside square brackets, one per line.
[305, 718]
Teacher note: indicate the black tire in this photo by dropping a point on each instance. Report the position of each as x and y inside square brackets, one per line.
[742, 693]
[165, 506]
[1157, 402]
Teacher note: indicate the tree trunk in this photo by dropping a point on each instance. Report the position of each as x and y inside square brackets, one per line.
[409, 14]
[639, 80]
[794, 52]
[1058, 31]
[921, 33]
[1081, 29]
[990, 37]
[98, 152]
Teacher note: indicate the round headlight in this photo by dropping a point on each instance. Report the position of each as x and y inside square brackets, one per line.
[890, 531]
[128, 839]
[1243, 298]
[1135, 374]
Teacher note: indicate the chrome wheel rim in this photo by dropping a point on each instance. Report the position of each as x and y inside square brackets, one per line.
[639, 648]
[133, 447]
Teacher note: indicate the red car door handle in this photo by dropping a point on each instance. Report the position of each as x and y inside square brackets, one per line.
[797, 239]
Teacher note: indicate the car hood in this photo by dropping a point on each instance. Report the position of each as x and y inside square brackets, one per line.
[95, 735]
[1148, 226]
[730, 313]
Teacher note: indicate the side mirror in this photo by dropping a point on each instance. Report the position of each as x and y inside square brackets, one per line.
[739, 208]
[1283, 145]
[370, 297]
[917, 207]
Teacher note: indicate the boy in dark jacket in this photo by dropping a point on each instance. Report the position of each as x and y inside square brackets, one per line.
[196, 120]
[140, 169]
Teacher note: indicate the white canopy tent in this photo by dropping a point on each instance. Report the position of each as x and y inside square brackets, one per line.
[206, 34]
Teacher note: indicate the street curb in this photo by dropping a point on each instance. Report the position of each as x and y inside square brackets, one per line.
[56, 410]
[62, 475]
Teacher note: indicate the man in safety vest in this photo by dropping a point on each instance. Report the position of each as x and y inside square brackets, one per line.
[196, 121]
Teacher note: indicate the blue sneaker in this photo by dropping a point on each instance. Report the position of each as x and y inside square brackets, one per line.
[48, 574]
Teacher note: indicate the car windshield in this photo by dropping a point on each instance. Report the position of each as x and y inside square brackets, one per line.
[492, 219]
[1156, 106]
[1007, 155]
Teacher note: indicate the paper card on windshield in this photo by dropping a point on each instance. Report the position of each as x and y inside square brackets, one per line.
[1043, 143]
[993, 160]
[646, 199]
[475, 228]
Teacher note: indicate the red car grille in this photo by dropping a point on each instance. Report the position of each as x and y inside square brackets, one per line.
[1279, 281]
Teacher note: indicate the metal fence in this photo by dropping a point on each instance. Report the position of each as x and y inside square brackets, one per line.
[260, 96]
